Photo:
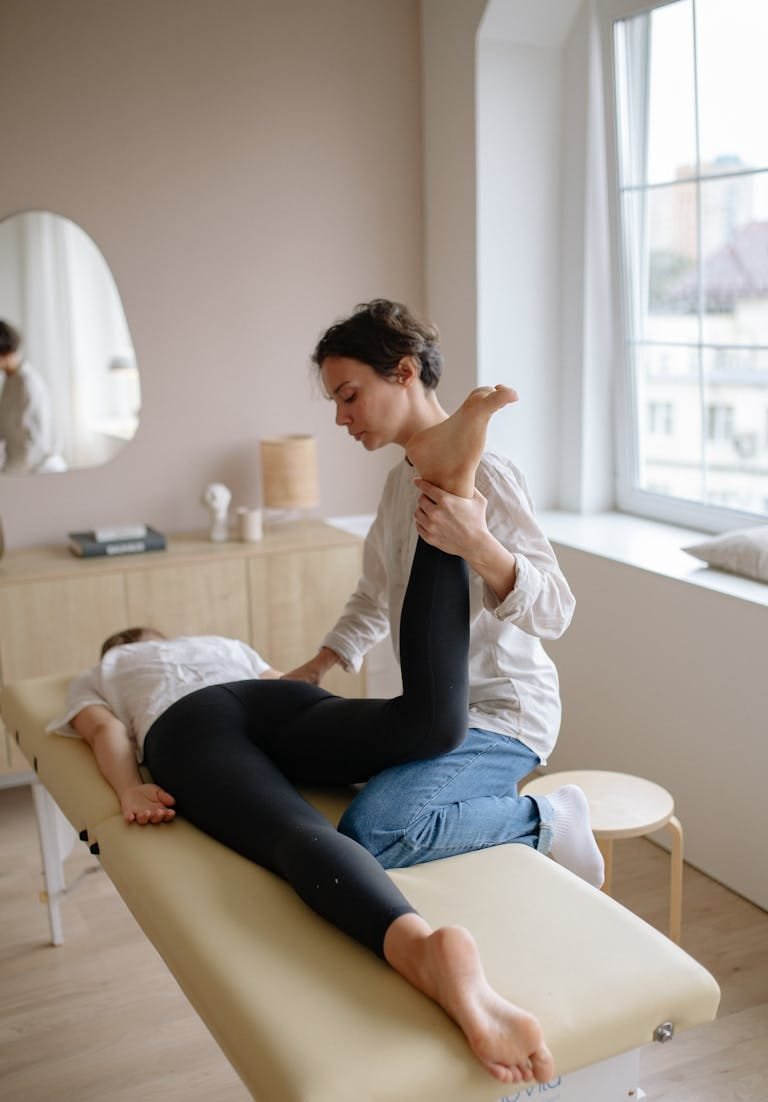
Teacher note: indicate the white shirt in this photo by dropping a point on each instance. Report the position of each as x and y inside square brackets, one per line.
[513, 683]
[140, 681]
[26, 425]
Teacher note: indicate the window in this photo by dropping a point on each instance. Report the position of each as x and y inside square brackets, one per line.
[690, 93]
[720, 422]
[661, 418]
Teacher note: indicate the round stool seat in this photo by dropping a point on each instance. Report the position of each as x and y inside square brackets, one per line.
[620, 805]
[624, 806]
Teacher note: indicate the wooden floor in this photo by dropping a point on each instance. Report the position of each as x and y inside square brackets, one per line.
[99, 1019]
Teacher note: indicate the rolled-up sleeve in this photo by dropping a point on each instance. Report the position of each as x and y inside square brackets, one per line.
[83, 691]
[541, 602]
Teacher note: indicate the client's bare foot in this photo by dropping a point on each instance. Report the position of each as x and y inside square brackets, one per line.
[447, 454]
[445, 964]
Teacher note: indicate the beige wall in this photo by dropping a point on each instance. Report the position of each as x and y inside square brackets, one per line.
[250, 170]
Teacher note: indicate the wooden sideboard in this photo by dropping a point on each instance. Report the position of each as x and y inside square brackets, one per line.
[280, 594]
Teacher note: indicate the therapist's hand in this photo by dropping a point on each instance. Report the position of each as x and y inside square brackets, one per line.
[456, 525]
[315, 670]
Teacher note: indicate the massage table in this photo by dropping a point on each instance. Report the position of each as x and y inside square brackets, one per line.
[304, 1014]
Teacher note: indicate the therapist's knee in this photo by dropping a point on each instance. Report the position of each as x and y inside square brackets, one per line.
[394, 845]
[359, 824]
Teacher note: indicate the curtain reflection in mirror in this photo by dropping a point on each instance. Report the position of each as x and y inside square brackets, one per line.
[55, 286]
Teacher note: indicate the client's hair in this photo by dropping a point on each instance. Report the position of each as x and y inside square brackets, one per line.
[130, 635]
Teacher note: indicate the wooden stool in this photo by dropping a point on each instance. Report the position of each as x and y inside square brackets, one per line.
[623, 806]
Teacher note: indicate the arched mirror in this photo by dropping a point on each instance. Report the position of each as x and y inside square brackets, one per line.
[69, 394]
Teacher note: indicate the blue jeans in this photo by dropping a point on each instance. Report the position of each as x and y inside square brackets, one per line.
[464, 800]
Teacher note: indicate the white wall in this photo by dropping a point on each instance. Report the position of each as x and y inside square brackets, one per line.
[667, 680]
[586, 382]
[448, 29]
[250, 170]
[509, 100]
[518, 101]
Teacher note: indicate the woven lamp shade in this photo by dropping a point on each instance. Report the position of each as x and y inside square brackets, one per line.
[289, 472]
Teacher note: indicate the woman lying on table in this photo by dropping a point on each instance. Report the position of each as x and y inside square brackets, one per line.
[219, 730]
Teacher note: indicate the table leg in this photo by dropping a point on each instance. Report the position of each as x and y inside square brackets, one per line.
[53, 857]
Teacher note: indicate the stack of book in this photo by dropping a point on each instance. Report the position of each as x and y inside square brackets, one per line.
[123, 539]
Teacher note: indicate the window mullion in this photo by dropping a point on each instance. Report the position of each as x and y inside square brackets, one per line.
[699, 263]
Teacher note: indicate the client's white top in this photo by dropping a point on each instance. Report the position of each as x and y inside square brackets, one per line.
[140, 681]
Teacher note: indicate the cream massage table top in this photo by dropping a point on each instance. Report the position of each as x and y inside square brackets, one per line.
[303, 1013]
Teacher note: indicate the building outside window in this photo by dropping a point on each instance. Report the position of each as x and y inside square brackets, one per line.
[661, 418]
[690, 88]
[720, 421]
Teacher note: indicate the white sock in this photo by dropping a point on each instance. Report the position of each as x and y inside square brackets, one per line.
[573, 843]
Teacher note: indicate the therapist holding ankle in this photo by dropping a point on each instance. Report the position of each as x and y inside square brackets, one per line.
[381, 367]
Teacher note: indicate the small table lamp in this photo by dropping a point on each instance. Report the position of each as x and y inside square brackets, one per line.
[288, 476]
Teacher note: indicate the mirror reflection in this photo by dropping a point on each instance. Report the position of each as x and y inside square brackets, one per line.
[69, 384]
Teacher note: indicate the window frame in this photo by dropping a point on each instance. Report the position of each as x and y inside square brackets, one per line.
[629, 497]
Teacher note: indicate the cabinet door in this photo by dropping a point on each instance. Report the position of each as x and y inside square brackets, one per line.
[193, 599]
[258, 588]
[307, 591]
[58, 626]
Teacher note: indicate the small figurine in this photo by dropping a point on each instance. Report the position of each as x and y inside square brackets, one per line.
[216, 499]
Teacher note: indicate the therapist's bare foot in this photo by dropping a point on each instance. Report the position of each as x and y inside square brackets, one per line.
[506, 1039]
[447, 454]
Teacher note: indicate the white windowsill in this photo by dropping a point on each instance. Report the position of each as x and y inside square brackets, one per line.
[357, 525]
[645, 544]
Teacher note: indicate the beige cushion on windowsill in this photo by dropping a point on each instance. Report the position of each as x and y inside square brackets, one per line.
[744, 552]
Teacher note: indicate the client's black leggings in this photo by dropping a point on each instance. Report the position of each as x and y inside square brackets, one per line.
[232, 754]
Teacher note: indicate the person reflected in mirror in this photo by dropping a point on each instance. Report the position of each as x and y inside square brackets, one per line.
[26, 420]
[227, 743]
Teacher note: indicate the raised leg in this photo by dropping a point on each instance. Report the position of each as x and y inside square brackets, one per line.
[317, 738]
[447, 454]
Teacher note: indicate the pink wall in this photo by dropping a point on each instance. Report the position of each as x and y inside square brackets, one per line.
[250, 171]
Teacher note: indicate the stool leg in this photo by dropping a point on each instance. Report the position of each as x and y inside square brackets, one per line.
[676, 879]
[606, 848]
